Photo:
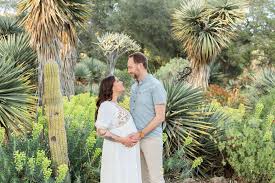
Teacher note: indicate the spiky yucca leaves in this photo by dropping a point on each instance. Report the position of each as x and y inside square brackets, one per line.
[204, 30]
[114, 45]
[17, 48]
[266, 82]
[17, 104]
[188, 118]
[8, 26]
[230, 12]
[52, 19]
[263, 84]
[182, 121]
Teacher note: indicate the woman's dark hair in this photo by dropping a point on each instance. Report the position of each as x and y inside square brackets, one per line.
[105, 92]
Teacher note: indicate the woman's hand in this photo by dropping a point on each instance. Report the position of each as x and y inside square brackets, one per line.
[128, 142]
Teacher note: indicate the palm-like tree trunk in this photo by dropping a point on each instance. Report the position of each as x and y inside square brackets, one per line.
[200, 75]
[69, 57]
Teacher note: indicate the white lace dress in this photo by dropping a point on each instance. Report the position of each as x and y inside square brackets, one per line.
[119, 164]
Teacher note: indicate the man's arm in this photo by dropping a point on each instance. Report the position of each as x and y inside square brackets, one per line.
[154, 123]
[159, 97]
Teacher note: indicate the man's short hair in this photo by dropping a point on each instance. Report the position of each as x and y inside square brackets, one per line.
[139, 58]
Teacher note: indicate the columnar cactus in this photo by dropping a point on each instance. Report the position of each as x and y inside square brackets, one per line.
[55, 116]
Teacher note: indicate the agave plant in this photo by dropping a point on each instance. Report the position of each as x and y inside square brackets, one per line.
[17, 104]
[204, 28]
[182, 115]
[262, 85]
[95, 67]
[8, 26]
[266, 81]
[187, 117]
[81, 72]
[17, 48]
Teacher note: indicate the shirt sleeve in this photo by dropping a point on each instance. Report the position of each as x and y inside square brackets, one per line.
[105, 116]
[159, 94]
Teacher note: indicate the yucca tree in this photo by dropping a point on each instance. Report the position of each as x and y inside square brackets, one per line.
[78, 12]
[187, 117]
[204, 28]
[113, 46]
[52, 26]
[17, 103]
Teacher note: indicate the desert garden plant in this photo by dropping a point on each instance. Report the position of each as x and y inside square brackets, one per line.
[113, 46]
[249, 143]
[17, 103]
[204, 28]
[8, 26]
[187, 116]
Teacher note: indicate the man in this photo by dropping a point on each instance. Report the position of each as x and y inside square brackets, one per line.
[147, 106]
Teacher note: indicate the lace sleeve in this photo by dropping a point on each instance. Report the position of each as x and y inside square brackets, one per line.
[106, 114]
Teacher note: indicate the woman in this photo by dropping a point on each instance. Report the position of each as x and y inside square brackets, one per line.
[120, 155]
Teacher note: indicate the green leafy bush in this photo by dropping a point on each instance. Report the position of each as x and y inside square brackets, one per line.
[26, 159]
[177, 166]
[171, 69]
[96, 68]
[81, 72]
[248, 143]
[84, 147]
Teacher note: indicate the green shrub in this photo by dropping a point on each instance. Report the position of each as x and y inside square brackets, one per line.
[248, 143]
[177, 166]
[96, 68]
[262, 85]
[80, 88]
[81, 72]
[8, 26]
[84, 147]
[26, 159]
[171, 69]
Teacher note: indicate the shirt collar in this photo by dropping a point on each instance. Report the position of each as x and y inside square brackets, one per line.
[146, 78]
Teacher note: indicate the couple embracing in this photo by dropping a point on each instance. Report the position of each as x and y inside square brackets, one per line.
[132, 147]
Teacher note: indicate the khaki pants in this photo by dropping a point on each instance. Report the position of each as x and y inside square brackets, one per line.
[151, 160]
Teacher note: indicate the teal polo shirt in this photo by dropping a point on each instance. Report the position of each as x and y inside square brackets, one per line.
[145, 95]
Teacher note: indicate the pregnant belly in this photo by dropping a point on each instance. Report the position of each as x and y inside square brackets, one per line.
[124, 130]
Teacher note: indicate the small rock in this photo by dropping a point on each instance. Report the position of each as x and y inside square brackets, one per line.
[218, 180]
[189, 180]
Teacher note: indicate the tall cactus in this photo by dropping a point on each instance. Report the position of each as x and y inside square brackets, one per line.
[55, 115]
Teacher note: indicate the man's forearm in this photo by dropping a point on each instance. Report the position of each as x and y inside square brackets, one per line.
[156, 121]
